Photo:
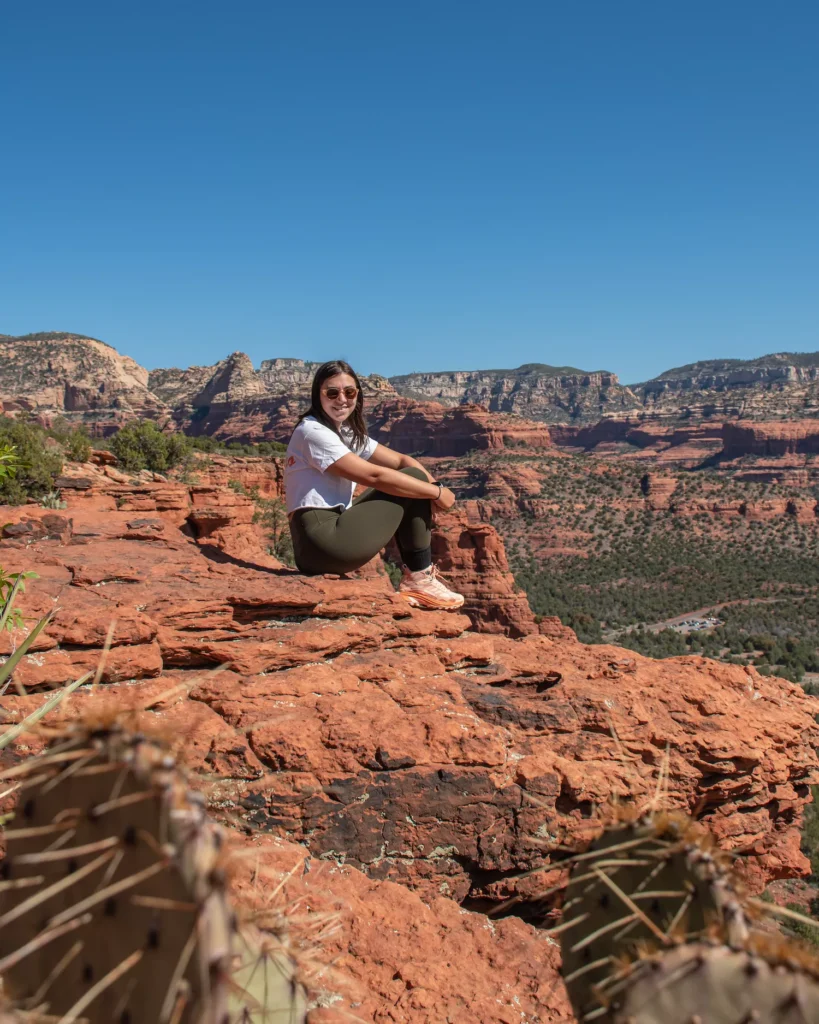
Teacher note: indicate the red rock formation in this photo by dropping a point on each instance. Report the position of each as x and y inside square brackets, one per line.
[399, 739]
[787, 437]
[231, 401]
[658, 490]
[400, 742]
[429, 428]
[471, 555]
[265, 475]
[404, 424]
[588, 436]
[395, 958]
[471, 427]
[687, 444]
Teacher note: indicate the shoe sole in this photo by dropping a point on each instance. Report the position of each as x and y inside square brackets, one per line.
[421, 601]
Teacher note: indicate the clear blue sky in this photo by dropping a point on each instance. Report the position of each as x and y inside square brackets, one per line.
[426, 185]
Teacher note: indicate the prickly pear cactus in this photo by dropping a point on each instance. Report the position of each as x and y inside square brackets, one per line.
[765, 981]
[113, 907]
[264, 987]
[651, 880]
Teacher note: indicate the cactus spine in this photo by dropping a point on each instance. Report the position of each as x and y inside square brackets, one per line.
[719, 984]
[113, 894]
[650, 880]
[264, 988]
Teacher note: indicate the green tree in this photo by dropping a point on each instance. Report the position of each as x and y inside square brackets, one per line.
[78, 444]
[34, 468]
[272, 515]
[142, 445]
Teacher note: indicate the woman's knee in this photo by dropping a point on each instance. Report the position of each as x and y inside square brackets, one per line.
[413, 471]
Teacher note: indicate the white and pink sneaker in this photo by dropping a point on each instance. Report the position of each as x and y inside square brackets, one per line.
[425, 589]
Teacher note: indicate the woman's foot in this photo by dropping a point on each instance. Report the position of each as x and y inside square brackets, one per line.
[425, 589]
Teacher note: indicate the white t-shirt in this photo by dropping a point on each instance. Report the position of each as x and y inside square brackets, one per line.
[312, 449]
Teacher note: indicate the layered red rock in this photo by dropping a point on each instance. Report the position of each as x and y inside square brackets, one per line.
[658, 489]
[471, 556]
[685, 445]
[430, 429]
[405, 424]
[264, 476]
[473, 428]
[399, 743]
[787, 437]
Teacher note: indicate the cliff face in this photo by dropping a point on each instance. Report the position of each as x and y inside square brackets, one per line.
[471, 427]
[431, 429]
[776, 368]
[80, 378]
[233, 402]
[406, 424]
[794, 437]
[552, 394]
[228, 401]
[782, 384]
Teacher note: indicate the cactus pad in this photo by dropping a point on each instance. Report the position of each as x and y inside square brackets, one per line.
[648, 881]
[264, 988]
[112, 893]
[711, 982]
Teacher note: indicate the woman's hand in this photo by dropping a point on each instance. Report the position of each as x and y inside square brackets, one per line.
[445, 500]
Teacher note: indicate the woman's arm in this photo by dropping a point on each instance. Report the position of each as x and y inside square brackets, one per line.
[388, 479]
[384, 456]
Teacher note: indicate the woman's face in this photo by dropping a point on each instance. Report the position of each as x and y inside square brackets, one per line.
[343, 394]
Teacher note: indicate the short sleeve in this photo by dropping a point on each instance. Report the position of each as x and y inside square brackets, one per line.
[322, 446]
[368, 449]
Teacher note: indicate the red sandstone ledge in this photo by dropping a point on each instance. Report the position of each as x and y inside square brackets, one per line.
[408, 762]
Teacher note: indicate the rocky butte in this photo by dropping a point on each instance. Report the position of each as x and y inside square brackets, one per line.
[401, 769]
[81, 378]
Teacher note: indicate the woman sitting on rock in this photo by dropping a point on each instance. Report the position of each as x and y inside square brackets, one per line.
[329, 453]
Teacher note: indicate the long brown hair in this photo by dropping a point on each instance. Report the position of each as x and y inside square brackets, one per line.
[355, 421]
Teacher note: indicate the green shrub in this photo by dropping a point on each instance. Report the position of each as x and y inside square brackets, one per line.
[78, 444]
[393, 571]
[810, 834]
[8, 463]
[36, 467]
[12, 584]
[142, 445]
[75, 440]
[60, 429]
[272, 515]
[801, 929]
[210, 444]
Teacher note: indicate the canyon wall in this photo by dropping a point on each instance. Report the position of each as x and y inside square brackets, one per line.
[535, 391]
[791, 437]
[439, 414]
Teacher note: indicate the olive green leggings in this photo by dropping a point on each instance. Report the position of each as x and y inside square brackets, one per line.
[341, 540]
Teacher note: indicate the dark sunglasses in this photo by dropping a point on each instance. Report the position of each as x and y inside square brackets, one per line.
[349, 392]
